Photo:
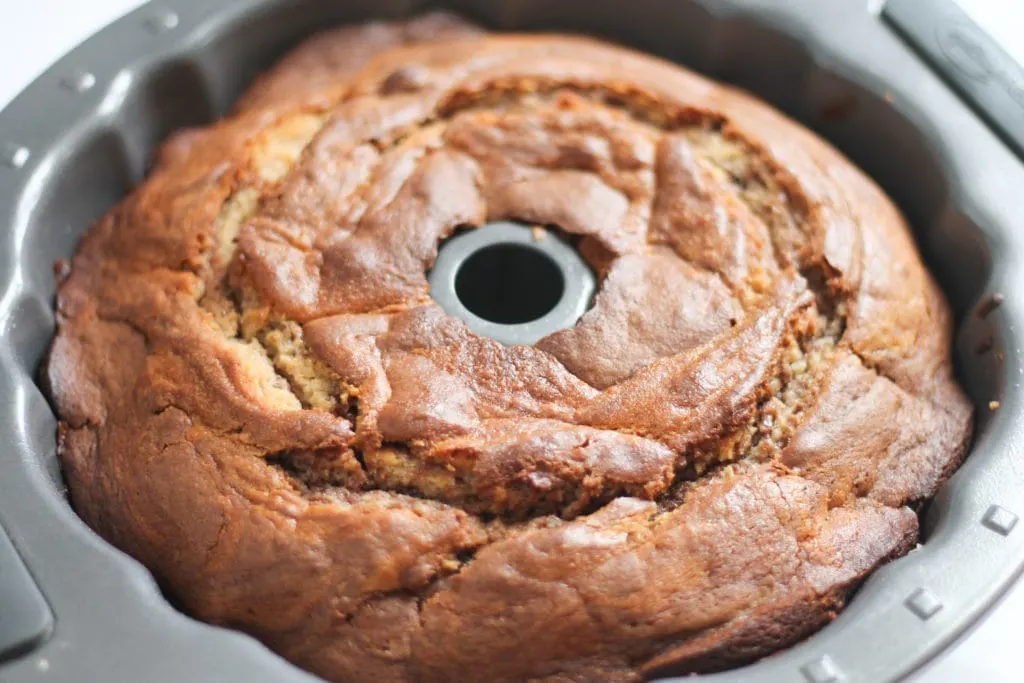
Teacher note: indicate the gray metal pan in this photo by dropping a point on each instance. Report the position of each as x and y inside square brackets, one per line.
[74, 142]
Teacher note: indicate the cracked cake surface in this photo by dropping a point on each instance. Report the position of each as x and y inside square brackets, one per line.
[259, 400]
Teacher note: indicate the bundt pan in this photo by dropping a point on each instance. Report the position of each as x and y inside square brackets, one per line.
[72, 608]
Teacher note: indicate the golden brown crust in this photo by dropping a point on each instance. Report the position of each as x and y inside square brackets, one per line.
[260, 401]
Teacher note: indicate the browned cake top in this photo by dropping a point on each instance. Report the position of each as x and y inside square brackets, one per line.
[260, 400]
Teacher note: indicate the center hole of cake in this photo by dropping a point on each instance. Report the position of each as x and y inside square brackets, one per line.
[509, 283]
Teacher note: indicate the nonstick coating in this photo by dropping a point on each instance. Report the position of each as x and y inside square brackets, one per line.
[75, 141]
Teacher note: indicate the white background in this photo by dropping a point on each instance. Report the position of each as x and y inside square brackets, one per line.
[35, 33]
[1003, 20]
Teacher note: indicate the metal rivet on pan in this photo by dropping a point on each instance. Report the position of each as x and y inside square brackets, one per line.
[15, 156]
[822, 670]
[79, 81]
[966, 51]
[999, 520]
[161, 21]
[923, 603]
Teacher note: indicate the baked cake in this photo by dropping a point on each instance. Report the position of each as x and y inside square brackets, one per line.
[260, 401]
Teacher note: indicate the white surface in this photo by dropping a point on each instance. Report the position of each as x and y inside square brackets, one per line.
[1001, 19]
[38, 32]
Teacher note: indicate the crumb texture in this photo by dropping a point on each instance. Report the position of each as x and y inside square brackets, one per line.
[260, 401]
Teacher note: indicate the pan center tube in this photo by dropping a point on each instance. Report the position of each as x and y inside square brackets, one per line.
[511, 282]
